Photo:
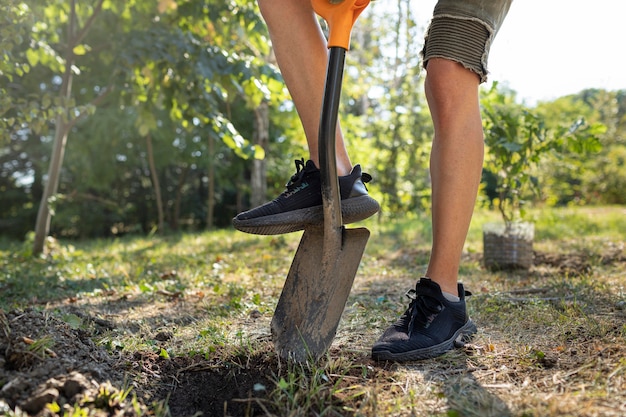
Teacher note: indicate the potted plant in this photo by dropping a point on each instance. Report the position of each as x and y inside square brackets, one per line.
[516, 141]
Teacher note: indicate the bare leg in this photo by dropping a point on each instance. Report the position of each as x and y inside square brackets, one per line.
[302, 56]
[455, 164]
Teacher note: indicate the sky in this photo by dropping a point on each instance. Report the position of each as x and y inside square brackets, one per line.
[550, 48]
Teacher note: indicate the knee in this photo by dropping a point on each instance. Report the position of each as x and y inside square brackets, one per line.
[452, 95]
[449, 82]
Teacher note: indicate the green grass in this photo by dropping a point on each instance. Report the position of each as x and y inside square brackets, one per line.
[551, 340]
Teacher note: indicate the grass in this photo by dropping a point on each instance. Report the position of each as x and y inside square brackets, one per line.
[551, 341]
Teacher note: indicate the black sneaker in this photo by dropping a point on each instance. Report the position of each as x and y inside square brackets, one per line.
[300, 204]
[430, 326]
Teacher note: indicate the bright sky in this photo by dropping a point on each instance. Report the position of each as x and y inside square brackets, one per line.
[550, 48]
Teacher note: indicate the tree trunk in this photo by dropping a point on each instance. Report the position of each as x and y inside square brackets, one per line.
[211, 174]
[64, 123]
[239, 197]
[258, 178]
[155, 183]
[42, 227]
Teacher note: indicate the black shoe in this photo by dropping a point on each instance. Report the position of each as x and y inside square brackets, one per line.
[300, 205]
[430, 326]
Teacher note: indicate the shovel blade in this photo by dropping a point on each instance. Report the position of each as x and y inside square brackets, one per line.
[313, 298]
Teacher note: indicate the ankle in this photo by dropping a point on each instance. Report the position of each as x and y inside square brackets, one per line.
[448, 287]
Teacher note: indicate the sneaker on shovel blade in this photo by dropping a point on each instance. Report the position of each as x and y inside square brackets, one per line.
[431, 326]
[300, 205]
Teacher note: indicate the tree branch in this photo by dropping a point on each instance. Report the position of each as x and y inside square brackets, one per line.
[83, 31]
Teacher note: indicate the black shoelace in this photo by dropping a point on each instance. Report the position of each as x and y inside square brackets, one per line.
[422, 309]
[296, 178]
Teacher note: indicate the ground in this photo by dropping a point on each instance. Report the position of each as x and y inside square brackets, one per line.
[48, 356]
[67, 367]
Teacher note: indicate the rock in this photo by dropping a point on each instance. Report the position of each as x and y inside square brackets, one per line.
[14, 387]
[163, 336]
[75, 384]
[38, 401]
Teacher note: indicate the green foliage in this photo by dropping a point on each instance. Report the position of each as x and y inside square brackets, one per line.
[176, 70]
[170, 66]
[518, 140]
[22, 51]
[603, 177]
[384, 111]
[189, 75]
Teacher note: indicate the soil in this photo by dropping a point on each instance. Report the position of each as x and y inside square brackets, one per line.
[44, 360]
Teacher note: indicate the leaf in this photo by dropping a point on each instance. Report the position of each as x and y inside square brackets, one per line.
[282, 384]
[81, 49]
[259, 152]
[54, 407]
[73, 321]
[144, 129]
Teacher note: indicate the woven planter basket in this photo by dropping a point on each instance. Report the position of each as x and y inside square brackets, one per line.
[508, 247]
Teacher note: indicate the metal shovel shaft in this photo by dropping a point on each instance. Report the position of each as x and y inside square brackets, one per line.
[331, 198]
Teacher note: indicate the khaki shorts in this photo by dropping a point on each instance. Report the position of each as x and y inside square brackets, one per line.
[463, 30]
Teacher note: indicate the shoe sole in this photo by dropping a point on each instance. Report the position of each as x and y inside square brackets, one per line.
[458, 340]
[353, 210]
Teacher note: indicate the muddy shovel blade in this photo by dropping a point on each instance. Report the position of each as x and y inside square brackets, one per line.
[315, 293]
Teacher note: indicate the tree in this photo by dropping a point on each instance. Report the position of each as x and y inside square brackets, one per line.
[518, 140]
[569, 178]
[170, 66]
[69, 116]
[177, 66]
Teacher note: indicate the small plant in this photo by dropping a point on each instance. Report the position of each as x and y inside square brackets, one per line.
[517, 140]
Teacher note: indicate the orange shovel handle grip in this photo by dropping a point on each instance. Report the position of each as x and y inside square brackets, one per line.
[340, 15]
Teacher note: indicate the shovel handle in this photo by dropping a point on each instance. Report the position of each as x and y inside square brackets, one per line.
[340, 15]
[331, 198]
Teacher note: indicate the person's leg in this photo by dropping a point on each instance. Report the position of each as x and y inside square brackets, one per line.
[455, 57]
[302, 55]
[455, 164]
[437, 317]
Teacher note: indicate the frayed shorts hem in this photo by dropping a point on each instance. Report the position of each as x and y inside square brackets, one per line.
[463, 38]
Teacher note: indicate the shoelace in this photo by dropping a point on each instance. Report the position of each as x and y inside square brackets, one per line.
[420, 307]
[296, 178]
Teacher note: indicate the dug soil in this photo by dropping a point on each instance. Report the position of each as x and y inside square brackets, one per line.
[44, 360]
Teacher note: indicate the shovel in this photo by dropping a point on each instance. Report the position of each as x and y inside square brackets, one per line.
[322, 272]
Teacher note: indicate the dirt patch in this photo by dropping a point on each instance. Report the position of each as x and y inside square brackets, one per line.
[192, 385]
[45, 360]
[579, 263]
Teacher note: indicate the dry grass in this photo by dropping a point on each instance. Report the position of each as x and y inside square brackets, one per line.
[551, 341]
